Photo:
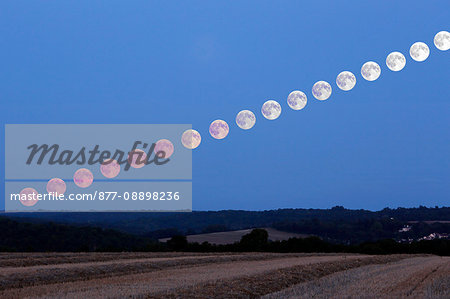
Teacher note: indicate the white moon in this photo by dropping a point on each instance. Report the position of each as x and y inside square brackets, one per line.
[191, 139]
[321, 90]
[395, 61]
[370, 71]
[219, 129]
[271, 110]
[346, 80]
[419, 51]
[245, 119]
[442, 40]
[297, 100]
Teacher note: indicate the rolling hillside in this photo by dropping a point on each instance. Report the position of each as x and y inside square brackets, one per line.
[229, 237]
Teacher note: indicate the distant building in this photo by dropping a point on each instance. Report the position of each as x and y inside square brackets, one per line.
[434, 236]
[405, 228]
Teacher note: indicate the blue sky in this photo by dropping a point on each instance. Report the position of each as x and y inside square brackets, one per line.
[385, 143]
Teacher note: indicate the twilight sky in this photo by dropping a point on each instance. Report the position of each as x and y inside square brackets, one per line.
[384, 143]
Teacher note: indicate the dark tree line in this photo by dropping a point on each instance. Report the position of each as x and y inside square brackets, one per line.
[48, 236]
[350, 225]
[257, 240]
[20, 236]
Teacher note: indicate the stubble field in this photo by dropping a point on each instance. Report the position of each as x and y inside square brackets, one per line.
[221, 275]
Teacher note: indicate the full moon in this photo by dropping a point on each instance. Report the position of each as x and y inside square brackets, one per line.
[83, 178]
[395, 61]
[442, 40]
[370, 71]
[165, 146]
[297, 100]
[245, 119]
[346, 80]
[137, 158]
[25, 195]
[56, 185]
[110, 168]
[321, 90]
[191, 139]
[419, 51]
[271, 109]
[219, 129]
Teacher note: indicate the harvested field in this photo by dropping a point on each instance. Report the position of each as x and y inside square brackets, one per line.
[230, 237]
[420, 277]
[12, 277]
[39, 258]
[221, 275]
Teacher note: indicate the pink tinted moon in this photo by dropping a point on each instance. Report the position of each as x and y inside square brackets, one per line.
[25, 193]
[137, 158]
[110, 168]
[56, 185]
[83, 178]
[165, 146]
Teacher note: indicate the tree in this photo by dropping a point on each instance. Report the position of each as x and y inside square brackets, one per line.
[256, 240]
[178, 242]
